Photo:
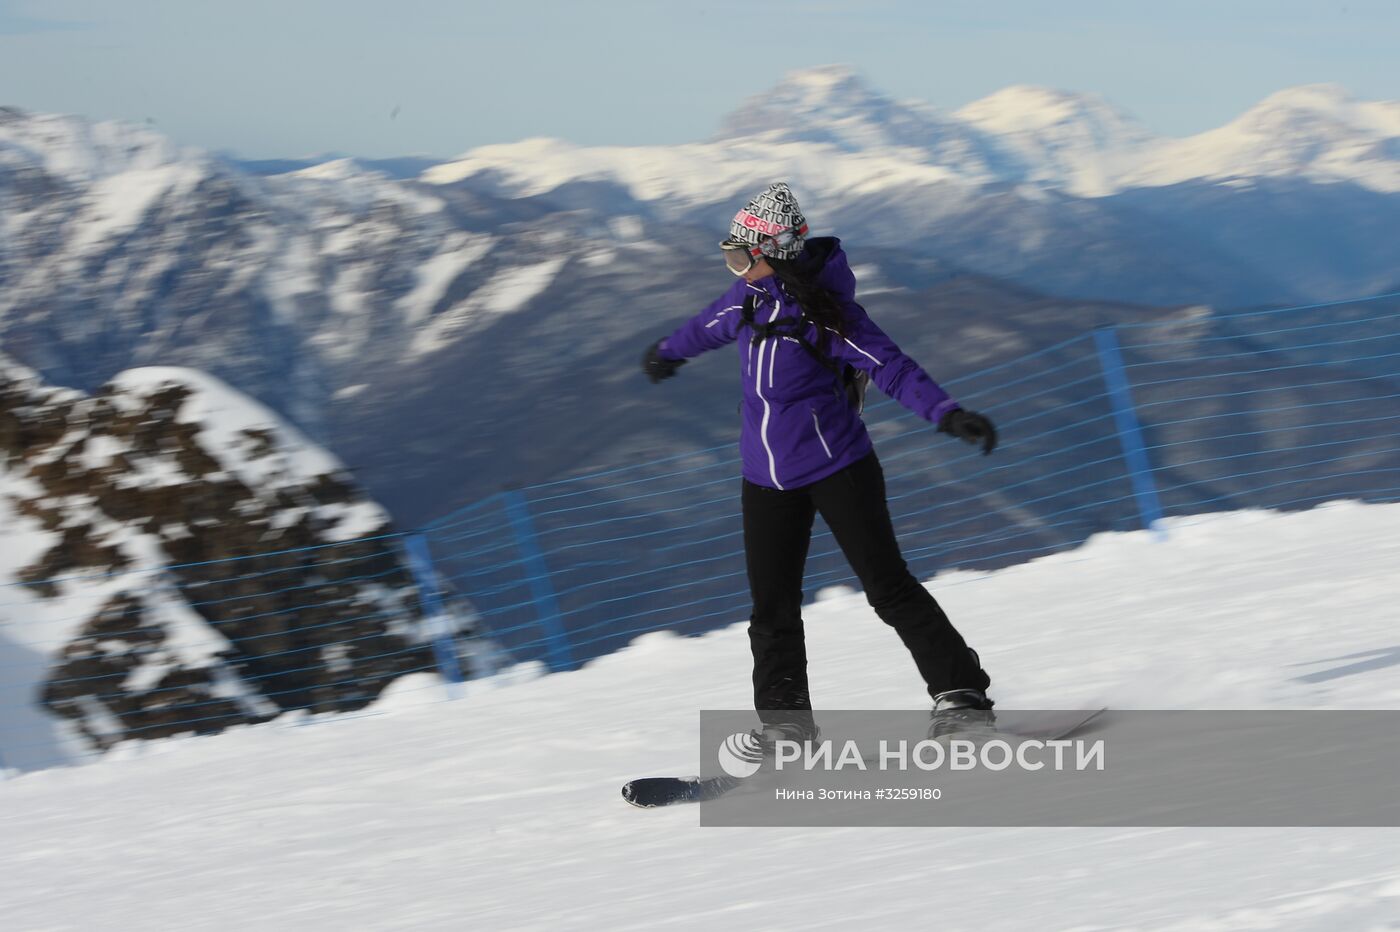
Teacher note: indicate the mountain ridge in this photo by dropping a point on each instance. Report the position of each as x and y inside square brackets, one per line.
[1072, 141]
[322, 289]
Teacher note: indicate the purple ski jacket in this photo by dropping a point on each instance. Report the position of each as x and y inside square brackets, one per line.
[798, 425]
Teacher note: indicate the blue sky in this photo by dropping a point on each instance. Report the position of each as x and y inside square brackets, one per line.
[270, 78]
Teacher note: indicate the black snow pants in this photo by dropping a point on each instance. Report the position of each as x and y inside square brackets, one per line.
[777, 533]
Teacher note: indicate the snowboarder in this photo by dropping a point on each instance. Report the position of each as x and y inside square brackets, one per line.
[805, 450]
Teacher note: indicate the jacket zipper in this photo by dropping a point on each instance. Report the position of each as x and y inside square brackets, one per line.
[817, 424]
[767, 411]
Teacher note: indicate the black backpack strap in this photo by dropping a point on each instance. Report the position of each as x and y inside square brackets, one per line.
[852, 381]
[793, 329]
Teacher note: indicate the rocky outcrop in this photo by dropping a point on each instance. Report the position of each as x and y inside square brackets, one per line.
[199, 564]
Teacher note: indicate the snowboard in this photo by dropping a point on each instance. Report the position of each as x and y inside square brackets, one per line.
[655, 792]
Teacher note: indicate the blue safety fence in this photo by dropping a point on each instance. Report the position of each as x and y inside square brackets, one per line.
[1108, 429]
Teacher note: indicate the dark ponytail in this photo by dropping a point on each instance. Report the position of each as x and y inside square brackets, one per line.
[822, 307]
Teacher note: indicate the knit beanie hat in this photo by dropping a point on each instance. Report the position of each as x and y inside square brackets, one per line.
[773, 222]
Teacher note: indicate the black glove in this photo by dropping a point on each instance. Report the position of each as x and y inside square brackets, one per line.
[975, 428]
[657, 368]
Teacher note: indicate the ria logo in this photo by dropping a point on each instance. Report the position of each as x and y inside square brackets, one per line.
[740, 755]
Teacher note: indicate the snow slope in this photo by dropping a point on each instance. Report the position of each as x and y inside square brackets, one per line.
[502, 810]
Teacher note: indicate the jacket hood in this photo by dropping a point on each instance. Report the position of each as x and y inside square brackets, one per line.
[824, 259]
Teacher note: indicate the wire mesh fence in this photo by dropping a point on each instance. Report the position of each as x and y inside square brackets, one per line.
[1106, 430]
[1103, 431]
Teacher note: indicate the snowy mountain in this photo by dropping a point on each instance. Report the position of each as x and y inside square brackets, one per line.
[1317, 133]
[74, 150]
[284, 286]
[1076, 143]
[428, 331]
[131, 607]
[833, 106]
[1057, 191]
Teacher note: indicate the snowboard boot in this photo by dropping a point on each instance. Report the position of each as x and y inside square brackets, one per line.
[961, 712]
[769, 736]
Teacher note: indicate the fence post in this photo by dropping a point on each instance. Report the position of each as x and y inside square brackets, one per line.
[420, 562]
[1129, 431]
[557, 641]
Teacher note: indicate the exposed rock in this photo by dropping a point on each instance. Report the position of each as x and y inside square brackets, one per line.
[262, 596]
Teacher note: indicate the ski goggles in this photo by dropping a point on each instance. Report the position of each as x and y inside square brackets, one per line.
[741, 256]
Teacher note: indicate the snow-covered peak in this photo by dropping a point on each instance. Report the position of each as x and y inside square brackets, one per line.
[822, 85]
[835, 105]
[801, 110]
[829, 125]
[542, 163]
[1317, 132]
[113, 173]
[349, 184]
[1327, 95]
[338, 169]
[1320, 108]
[234, 429]
[1023, 109]
[1058, 138]
[82, 151]
[534, 148]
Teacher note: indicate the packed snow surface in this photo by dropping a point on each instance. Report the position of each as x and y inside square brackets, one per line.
[501, 809]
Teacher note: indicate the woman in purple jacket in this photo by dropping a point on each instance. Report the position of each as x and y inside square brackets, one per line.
[805, 450]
